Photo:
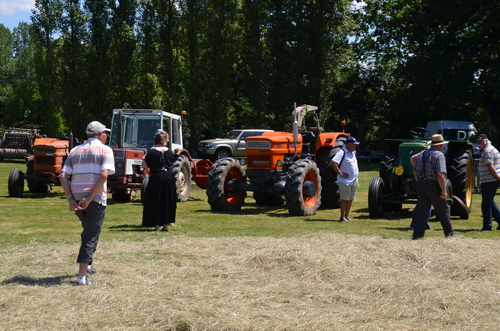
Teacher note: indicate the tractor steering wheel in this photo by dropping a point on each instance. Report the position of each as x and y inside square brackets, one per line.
[419, 132]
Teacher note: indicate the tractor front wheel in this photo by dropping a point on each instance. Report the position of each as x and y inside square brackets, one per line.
[222, 185]
[16, 183]
[303, 188]
[182, 175]
[375, 192]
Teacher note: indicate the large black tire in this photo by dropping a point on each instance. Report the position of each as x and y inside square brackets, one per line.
[303, 188]
[221, 185]
[16, 183]
[387, 165]
[460, 173]
[375, 192]
[330, 197]
[268, 199]
[182, 176]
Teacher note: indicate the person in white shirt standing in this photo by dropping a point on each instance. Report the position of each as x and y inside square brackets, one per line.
[345, 164]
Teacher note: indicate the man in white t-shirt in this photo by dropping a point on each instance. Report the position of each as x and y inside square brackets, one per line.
[345, 164]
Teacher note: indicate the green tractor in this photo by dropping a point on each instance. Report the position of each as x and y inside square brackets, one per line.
[395, 184]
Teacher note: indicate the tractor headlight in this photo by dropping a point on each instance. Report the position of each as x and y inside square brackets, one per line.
[279, 163]
[399, 170]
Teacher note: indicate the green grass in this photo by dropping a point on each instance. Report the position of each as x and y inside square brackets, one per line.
[45, 218]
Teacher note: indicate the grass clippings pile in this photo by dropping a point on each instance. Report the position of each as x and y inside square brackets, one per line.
[311, 282]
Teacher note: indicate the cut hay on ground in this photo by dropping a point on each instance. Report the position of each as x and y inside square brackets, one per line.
[313, 282]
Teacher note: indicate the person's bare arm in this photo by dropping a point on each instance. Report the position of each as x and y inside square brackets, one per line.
[493, 171]
[64, 179]
[336, 168]
[441, 177]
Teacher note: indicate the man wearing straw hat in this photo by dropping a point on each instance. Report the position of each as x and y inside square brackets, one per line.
[430, 173]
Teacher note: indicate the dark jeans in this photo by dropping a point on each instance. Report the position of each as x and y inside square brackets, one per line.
[488, 205]
[428, 194]
[414, 213]
[92, 219]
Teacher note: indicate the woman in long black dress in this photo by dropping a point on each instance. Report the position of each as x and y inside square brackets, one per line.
[160, 196]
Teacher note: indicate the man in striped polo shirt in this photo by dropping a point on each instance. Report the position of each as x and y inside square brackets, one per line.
[489, 167]
[83, 179]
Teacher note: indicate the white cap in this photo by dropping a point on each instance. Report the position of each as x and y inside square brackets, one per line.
[96, 127]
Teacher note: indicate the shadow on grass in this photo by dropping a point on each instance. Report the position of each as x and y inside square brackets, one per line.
[30, 281]
[129, 227]
[27, 195]
[322, 220]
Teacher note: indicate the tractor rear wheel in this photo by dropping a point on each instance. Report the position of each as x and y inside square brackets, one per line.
[222, 191]
[375, 192]
[330, 197]
[460, 173]
[303, 188]
[182, 175]
[16, 183]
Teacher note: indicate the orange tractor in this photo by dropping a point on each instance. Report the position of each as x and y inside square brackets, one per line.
[281, 166]
[43, 167]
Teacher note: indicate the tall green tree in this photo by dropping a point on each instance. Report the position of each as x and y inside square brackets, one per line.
[170, 55]
[100, 96]
[219, 49]
[193, 27]
[46, 20]
[440, 50]
[24, 99]
[7, 67]
[253, 67]
[123, 48]
[73, 75]
[146, 87]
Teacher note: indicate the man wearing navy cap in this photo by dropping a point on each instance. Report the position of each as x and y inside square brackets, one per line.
[345, 164]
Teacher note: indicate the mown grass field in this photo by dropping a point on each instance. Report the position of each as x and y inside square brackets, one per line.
[258, 269]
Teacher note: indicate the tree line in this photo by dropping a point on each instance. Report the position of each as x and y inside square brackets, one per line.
[383, 66]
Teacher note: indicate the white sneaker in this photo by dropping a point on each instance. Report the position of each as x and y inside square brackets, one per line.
[83, 281]
[91, 270]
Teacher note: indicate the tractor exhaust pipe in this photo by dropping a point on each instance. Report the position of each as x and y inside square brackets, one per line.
[295, 128]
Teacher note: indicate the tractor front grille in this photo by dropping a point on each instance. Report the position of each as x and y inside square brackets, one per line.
[260, 161]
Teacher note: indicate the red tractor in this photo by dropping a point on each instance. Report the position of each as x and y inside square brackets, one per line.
[132, 134]
[281, 166]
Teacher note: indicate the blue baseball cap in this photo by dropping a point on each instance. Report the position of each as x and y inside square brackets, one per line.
[351, 140]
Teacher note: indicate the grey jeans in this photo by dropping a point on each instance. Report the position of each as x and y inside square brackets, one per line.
[92, 220]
